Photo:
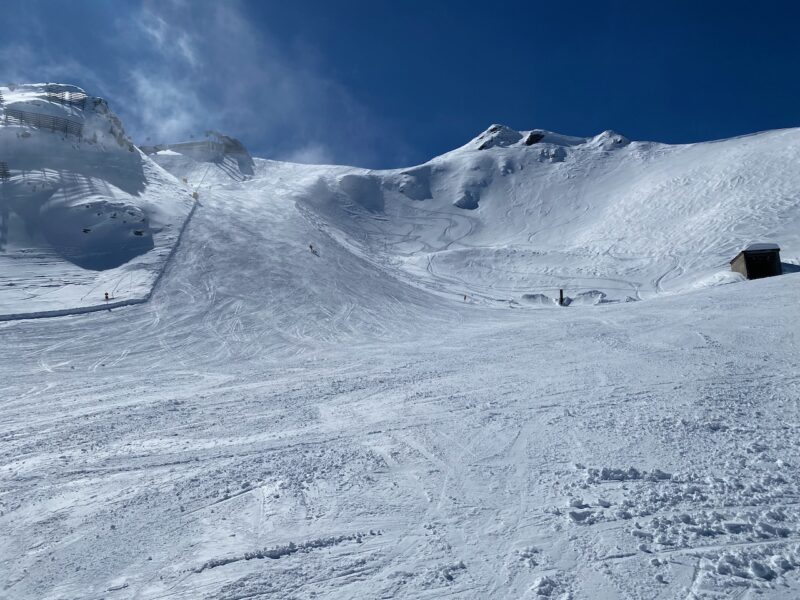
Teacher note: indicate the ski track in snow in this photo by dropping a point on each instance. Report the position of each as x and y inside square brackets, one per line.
[279, 424]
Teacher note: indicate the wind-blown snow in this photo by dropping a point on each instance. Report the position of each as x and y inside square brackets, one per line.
[343, 423]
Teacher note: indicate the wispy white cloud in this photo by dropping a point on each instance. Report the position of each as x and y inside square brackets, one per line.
[313, 153]
[32, 63]
[173, 69]
[162, 112]
[209, 67]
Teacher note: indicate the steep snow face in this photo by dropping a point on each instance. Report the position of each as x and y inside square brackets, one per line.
[516, 213]
[77, 197]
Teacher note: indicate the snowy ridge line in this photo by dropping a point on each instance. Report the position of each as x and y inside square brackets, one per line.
[65, 312]
[277, 552]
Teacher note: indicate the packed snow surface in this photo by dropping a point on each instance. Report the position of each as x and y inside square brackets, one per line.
[356, 384]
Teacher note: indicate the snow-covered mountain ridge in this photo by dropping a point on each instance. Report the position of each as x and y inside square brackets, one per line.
[509, 218]
[82, 211]
[511, 214]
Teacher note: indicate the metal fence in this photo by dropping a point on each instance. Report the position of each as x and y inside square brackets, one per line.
[64, 97]
[4, 172]
[54, 124]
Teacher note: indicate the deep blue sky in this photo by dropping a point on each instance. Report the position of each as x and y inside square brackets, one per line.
[385, 84]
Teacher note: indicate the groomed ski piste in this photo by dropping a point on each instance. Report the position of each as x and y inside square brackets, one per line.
[405, 412]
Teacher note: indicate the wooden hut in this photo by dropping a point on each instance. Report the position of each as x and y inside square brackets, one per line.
[758, 260]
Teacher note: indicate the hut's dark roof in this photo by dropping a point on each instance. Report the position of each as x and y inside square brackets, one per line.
[761, 246]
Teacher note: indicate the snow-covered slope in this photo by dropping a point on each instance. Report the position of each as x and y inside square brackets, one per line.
[516, 213]
[82, 211]
[277, 424]
[282, 423]
[514, 216]
[510, 217]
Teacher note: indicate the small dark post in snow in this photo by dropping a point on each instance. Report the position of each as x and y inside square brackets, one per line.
[561, 297]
